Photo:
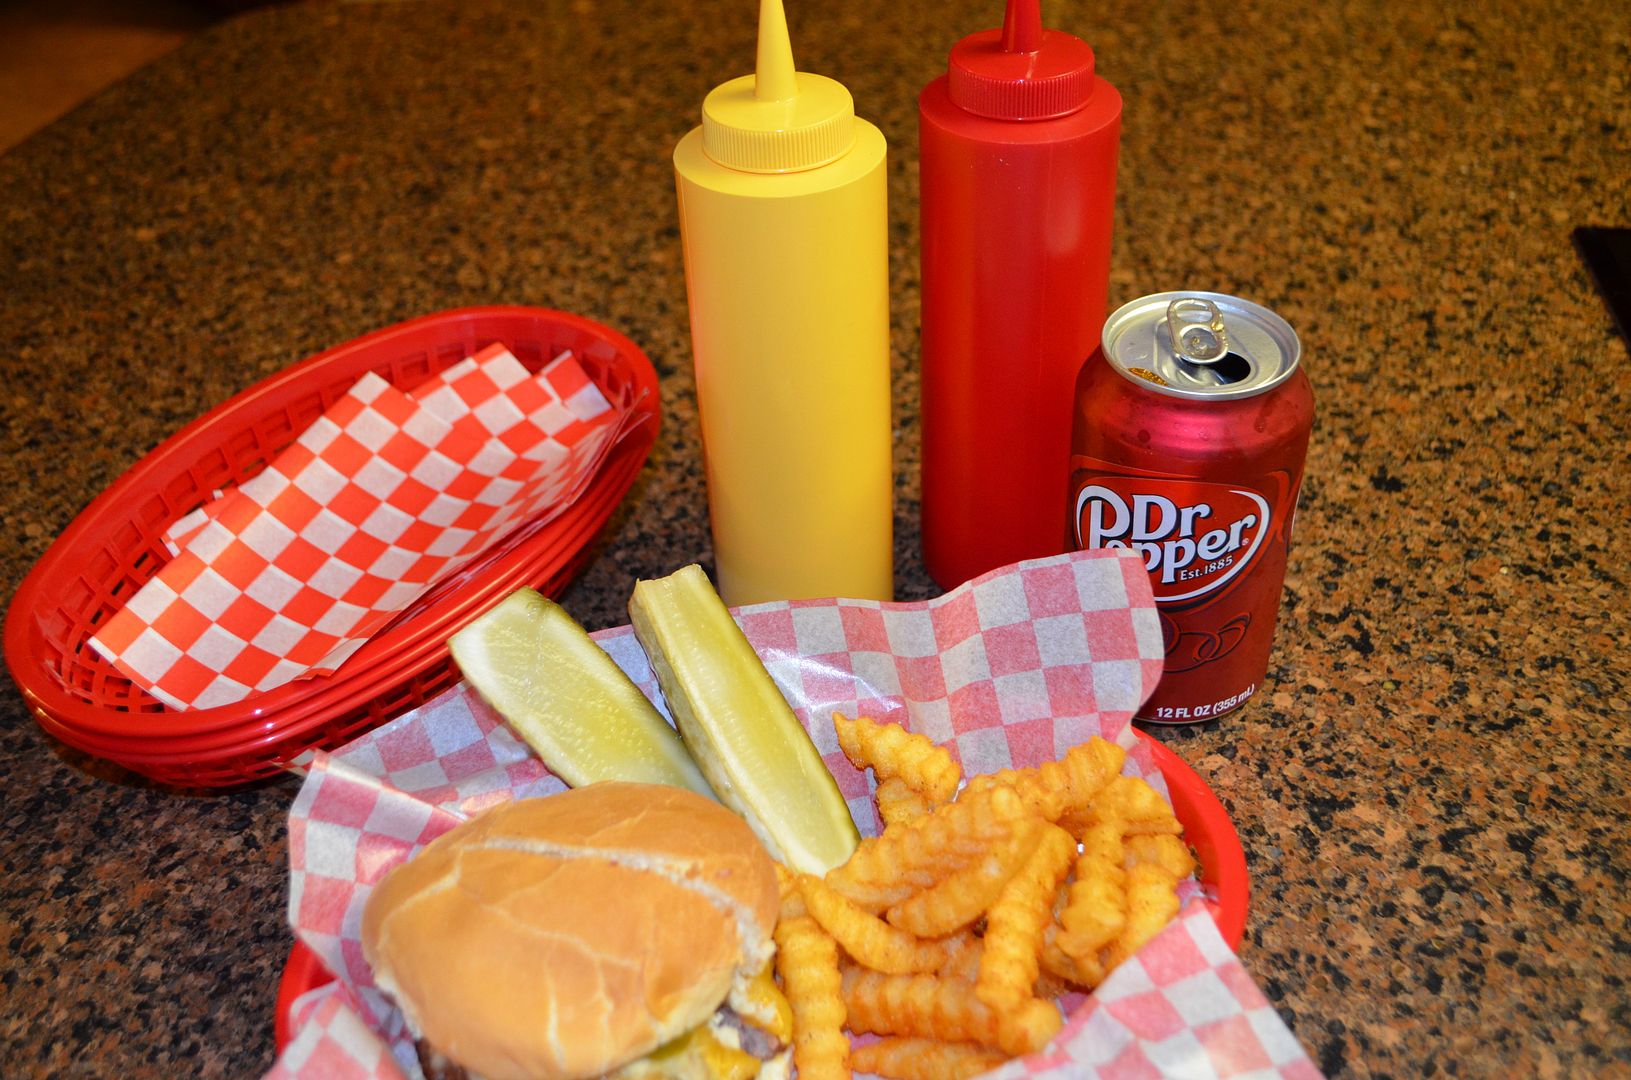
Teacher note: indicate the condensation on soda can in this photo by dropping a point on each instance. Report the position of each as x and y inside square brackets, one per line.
[1191, 427]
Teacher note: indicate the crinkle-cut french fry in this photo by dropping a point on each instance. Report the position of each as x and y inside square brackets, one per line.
[1152, 901]
[925, 1059]
[1014, 925]
[1039, 800]
[962, 956]
[927, 1006]
[1057, 788]
[1032, 1024]
[1140, 808]
[1103, 843]
[1050, 986]
[787, 885]
[898, 803]
[1060, 971]
[888, 868]
[807, 961]
[1168, 852]
[961, 897]
[1076, 822]
[865, 937]
[889, 750]
[1082, 974]
[1095, 909]
[1089, 766]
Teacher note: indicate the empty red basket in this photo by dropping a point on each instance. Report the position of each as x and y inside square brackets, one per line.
[114, 547]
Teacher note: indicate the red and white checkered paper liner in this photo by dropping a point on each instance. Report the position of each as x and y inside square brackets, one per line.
[1009, 670]
[492, 385]
[381, 499]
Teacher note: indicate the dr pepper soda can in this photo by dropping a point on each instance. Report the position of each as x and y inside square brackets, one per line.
[1187, 446]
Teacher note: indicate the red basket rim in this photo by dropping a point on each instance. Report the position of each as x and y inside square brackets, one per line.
[1207, 827]
[1216, 840]
[412, 642]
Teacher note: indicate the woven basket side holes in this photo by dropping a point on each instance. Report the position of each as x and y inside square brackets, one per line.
[274, 435]
[338, 731]
[431, 684]
[147, 565]
[347, 727]
[255, 447]
[109, 580]
[579, 342]
[611, 374]
[187, 491]
[448, 355]
[86, 674]
[532, 354]
[409, 371]
[393, 703]
[84, 680]
[76, 657]
[78, 600]
[118, 553]
[119, 573]
[264, 770]
[129, 559]
[152, 517]
[304, 411]
[54, 628]
[104, 587]
[410, 695]
[233, 771]
[110, 690]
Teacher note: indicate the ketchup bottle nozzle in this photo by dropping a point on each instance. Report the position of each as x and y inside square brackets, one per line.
[1021, 27]
[1021, 72]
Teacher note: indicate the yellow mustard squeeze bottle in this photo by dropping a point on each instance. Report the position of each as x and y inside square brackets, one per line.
[782, 217]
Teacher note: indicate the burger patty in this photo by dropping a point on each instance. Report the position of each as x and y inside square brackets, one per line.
[751, 1038]
[435, 1065]
[754, 1040]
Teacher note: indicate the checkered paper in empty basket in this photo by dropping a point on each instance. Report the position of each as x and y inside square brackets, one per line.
[1015, 649]
[519, 409]
[380, 499]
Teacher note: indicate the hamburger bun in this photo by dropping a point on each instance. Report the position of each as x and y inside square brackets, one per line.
[563, 936]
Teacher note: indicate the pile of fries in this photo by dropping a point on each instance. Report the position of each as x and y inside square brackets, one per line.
[952, 934]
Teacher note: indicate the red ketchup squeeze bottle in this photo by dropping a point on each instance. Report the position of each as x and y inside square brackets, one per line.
[1017, 186]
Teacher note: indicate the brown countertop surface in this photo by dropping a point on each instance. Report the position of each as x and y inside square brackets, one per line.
[1433, 788]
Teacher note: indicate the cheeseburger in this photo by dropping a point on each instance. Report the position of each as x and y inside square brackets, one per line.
[617, 929]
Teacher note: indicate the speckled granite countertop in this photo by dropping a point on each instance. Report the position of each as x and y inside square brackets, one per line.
[1433, 791]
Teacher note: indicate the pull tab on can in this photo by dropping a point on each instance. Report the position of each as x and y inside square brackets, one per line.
[1200, 345]
[1196, 328]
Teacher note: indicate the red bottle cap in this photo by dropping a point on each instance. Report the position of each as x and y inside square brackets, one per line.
[1021, 72]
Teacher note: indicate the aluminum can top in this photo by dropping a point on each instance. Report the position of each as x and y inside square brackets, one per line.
[1201, 345]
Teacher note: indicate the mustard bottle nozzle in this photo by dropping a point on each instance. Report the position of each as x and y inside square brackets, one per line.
[778, 119]
[774, 77]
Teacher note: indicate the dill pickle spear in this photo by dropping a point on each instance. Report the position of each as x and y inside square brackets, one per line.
[737, 725]
[567, 699]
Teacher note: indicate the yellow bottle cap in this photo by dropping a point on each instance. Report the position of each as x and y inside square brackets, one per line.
[777, 119]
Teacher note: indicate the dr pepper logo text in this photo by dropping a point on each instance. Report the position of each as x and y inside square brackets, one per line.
[1194, 536]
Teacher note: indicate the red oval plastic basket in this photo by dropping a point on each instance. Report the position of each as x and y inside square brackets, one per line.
[114, 547]
[1207, 828]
